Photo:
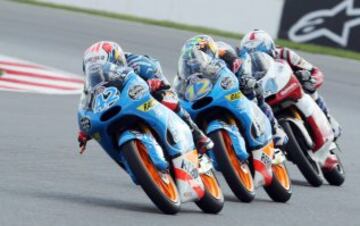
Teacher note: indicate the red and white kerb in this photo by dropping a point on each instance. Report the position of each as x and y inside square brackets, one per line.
[21, 76]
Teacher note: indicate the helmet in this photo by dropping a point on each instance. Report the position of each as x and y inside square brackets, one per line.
[228, 54]
[192, 62]
[224, 48]
[100, 54]
[104, 52]
[202, 42]
[196, 54]
[258, 40]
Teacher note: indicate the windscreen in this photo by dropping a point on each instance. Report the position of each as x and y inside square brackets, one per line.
[260, 63]
[193, 62]
[94, 76]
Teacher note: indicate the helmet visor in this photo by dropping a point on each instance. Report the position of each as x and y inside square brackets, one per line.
[94, 76]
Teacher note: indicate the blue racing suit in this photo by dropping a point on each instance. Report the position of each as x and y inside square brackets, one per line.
[150, 70]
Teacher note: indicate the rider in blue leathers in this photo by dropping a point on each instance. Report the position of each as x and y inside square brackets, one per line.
[104, 53]
[224, 55]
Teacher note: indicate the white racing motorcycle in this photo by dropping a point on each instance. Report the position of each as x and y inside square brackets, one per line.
[311, 145]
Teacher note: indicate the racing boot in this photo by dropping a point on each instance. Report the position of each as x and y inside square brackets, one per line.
[203, 143]
[333, 122]
[335, 127]
[279, 136]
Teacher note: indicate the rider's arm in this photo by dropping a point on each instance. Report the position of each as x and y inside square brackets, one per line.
[295, 61]
[308, 74]
[150, 70]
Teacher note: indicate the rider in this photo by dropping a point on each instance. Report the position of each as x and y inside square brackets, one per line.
[105, 53]
[219, 55]
[309, 76]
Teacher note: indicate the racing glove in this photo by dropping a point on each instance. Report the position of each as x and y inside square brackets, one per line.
[158, 88]
[307, 81]
[247, 85]
[83, 139]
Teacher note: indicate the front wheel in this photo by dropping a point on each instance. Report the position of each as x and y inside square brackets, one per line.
[298, 152]
[159, 186]
[237, 174]
[213, 200]
[280, 188]
[335, 176]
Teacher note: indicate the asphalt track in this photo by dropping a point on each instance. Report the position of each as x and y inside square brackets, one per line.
[44, 181]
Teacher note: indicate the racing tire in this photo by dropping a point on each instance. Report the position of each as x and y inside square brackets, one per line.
[300, 157]
[280, 189]
[237, 174]
[163, 194]
[213, 200]
[336, 176]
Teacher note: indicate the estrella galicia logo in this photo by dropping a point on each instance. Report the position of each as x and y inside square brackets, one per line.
[85, 123]
[335, 24]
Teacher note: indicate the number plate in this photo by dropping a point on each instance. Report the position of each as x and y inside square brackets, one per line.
[198, 90]
[106, 99]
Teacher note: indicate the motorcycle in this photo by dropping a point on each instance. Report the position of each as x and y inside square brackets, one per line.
[311, 143]
[243, 148]
[152, 144]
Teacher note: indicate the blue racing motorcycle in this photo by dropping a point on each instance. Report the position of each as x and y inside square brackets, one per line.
[244, 151]
[151, 143]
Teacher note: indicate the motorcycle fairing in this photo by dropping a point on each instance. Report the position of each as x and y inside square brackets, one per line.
[137, 102]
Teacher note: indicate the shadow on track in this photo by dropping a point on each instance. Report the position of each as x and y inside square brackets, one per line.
[232, 198]
[86, 200]
[98, 201]
[94, 201]
[301, 183]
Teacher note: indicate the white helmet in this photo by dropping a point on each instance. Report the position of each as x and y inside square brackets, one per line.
[258, 40]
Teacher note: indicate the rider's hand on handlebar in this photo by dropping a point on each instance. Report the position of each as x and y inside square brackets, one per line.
[248, 84]
[308, 82]
[82, 139]
[157, 84]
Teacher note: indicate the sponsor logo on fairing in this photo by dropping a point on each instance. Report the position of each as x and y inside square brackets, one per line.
[148, 105]
[136, 92]
[227, 83]
[85, 124]
[189, 167]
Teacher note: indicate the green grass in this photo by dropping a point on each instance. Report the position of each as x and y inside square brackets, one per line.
[199, 29]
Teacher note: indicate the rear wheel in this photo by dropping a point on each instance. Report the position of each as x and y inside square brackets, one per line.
[237, 174]
[299, 155]
[159, 186]
[335, 176]
[213, 200]
[280, 188]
